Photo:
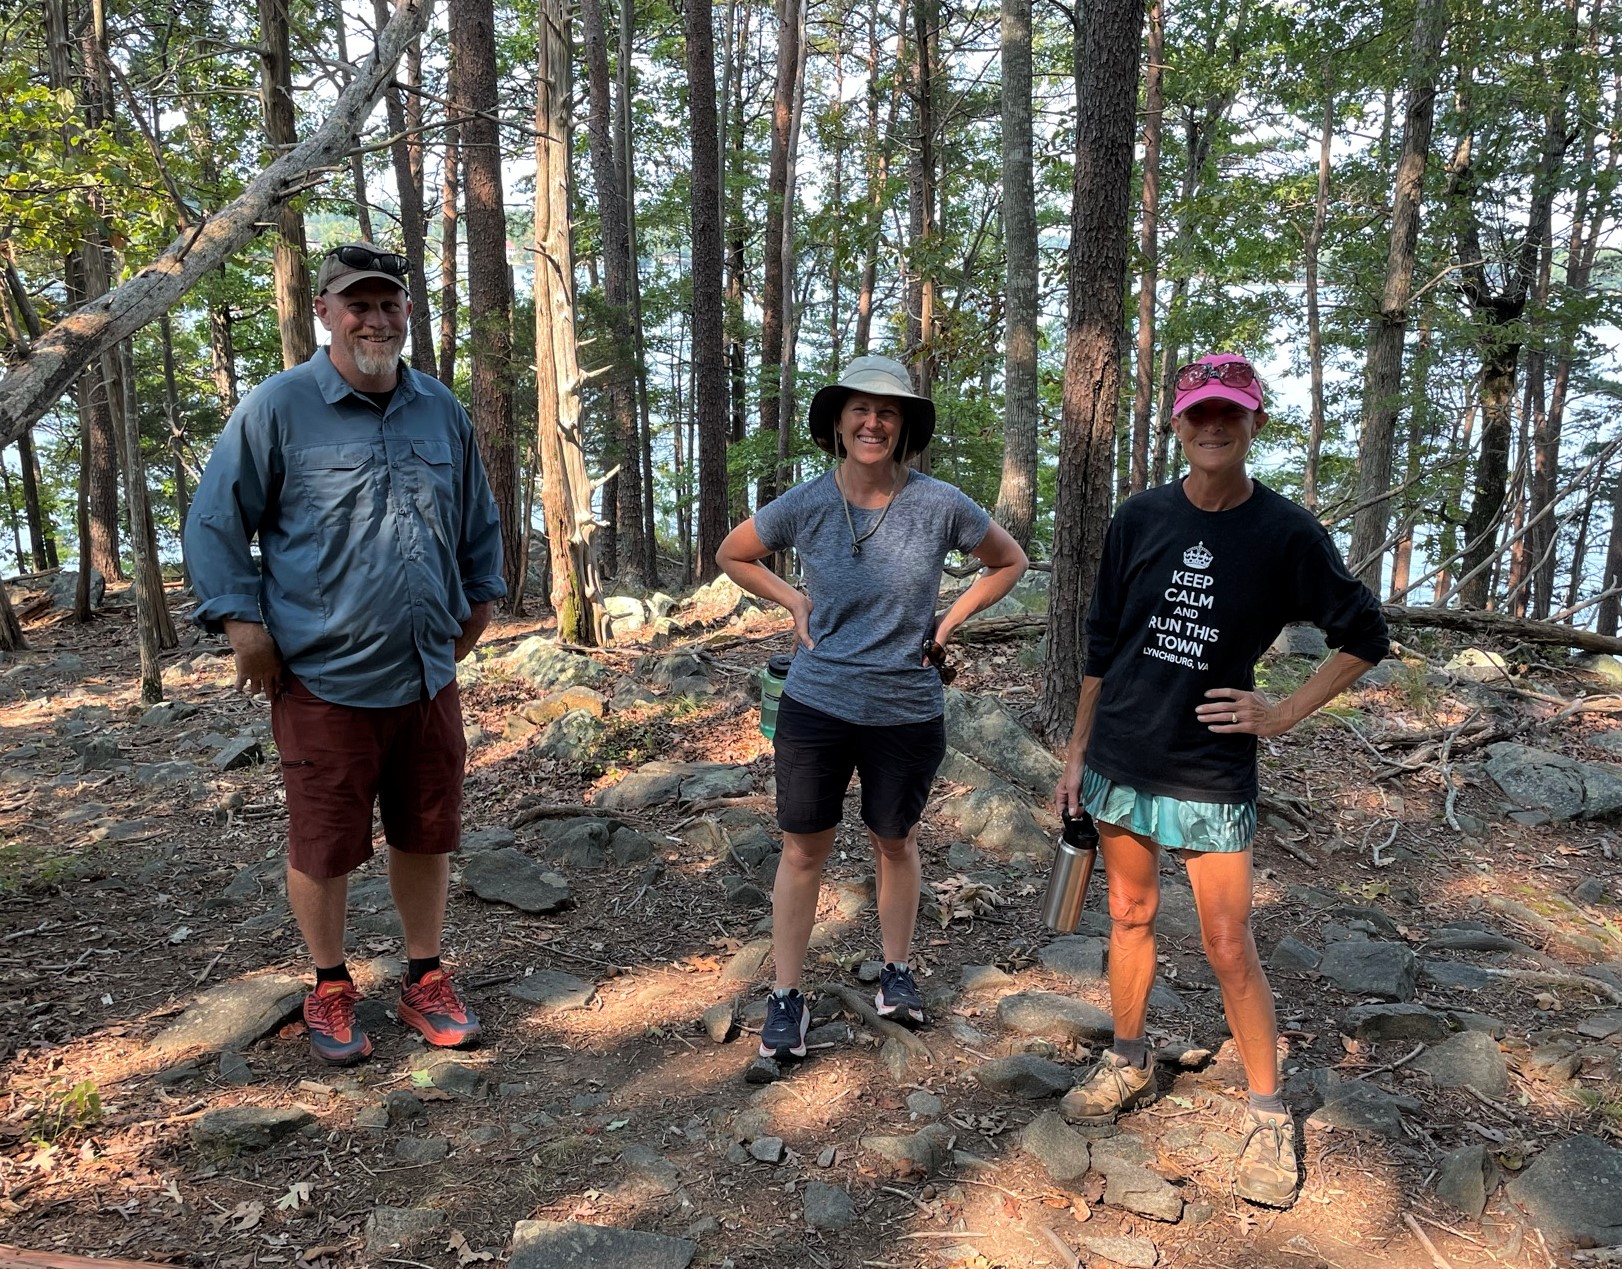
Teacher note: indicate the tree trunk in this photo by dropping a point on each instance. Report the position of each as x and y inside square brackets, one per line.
[357, 160]
[792, 308]
[1100, 217]
[921, 196]
[177, 436]
[153, 626]
[775, 286]
[448, 302]
[879, 169]
[709, 403]
[735, 152]
[34, 382]
[627, 159]
[223, 357]
[620, 380]
[565, 485]
[13, 517]
[11, 631]
[1382, 384]
[413, 225]
[474, 94]
[1016, 493]
[1143, 385]
[295, 312]
[41, 538]
[1315, 339]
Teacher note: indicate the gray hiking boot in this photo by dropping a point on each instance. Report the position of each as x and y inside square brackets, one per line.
[1266, 1172]
[1114, 1086]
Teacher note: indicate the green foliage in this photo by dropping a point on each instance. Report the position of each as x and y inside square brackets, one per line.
[66, 1108]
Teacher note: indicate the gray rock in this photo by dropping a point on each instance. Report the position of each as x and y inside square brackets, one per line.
[553, 990]
[1465, 1178]
[1057, 1147]
[657, 783]
[1591, 890]
[1465, 1020]
[1453, 975]
[419, 1150]
[176, 771]
[721, 1021]
[982, 728]
[1540, 780]
[1292, 956]
[743, 893]
[921, 1153]
[672, 668]
[763, 1070]
[1048, 1013]
[627, 846]
[827, 1206]
[1300, 640]
[372, 1118]
[1139, 1190]
[767, 1149]
[869, 971]
[1360, 1107]
[1000, 821]
[402, 1228]
[546, 666]
[1077, 957]
[1469, 1058]
[1573, 1192]
[1601, 1026]
[488, 839]
[456, 1078]
[1026, 1076]
[1472, 937]
[244, 751]
[511, 877]
[1371, 969]
[651, 1173]
[924, 1105]
[983, 978]
[1396, 1022]
[165, 713]
[233, 1015]
[1134, 1253]
[747, 961]
[572, 738]
[404, 1106]
[572, 1245]
[234, 1069]
[96, 752]
[64, 587]
[237, 1129]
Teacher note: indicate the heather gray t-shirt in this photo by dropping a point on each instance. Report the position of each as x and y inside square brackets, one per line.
[871, 613]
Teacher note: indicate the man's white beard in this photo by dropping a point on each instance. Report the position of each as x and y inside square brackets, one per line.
[377, 360]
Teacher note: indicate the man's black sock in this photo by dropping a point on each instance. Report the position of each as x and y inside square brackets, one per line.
[339, 973]
[417, 967]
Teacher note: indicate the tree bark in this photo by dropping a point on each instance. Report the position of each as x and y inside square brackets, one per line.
[357, 160]
[565, 486]
[413, 225]
[1382, 384]
[177, 436]
[627, 159]
[11, 631]
[1016, 493]
[709, 403]
[619, 383]
[41, 537]
[153, 627]
[474, 95]
[1143, 385]
[31, 385]
[295, 311]
[1605, 618]
[923, 217]
[1315, 339]
[775, 286]
[1100, 217]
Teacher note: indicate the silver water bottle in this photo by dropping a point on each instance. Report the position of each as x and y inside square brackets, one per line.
[1072, 868]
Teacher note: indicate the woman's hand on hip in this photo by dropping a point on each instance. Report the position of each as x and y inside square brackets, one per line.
[800, 610]
[1232, 710]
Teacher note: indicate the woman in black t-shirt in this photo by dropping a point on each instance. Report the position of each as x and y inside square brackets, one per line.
[1197, 579]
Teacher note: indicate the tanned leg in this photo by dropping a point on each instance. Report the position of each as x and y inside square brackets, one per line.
[794, 901]
[1222, 885]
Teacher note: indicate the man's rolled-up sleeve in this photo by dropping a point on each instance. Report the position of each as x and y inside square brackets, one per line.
[478, 553]
[226, 513]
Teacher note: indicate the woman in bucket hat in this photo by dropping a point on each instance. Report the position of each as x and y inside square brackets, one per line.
[864, 693]
[1197, 579]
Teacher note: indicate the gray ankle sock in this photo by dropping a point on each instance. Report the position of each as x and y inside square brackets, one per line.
[1132, 1052]
[1271, 1103]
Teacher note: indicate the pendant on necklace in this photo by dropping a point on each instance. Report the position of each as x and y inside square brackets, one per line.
[855, 549]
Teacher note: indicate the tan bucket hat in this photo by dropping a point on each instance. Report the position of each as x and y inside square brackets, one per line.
[880, 377]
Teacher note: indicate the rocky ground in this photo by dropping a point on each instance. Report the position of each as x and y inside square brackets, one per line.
[1436, 901]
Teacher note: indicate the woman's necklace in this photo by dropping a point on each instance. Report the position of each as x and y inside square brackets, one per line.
[855, 541]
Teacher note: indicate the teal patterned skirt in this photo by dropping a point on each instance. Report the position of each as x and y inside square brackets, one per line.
[1172, 822]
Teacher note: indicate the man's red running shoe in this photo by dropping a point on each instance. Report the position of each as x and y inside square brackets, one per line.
[329, 1013]
[432, 1006]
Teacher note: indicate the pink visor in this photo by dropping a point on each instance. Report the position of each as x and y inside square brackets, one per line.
[1220, 376]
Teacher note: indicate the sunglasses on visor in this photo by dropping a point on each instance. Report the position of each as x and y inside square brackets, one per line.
[1232, 374]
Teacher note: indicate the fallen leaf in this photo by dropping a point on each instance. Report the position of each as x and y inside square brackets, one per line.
[298, 1194]
[246, 1215]
[465, 1255]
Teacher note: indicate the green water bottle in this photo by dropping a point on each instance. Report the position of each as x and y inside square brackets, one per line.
[772, 677]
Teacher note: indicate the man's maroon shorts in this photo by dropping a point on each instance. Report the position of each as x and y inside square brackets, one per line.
[337, 760]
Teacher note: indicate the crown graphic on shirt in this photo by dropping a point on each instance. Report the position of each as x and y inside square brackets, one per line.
[1198, 557]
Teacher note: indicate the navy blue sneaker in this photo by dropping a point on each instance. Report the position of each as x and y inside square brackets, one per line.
[898, 996]
[786, 1021]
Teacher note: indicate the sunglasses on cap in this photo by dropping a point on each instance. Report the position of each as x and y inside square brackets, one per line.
[936, 656]
[1231, 374]
[389, 262]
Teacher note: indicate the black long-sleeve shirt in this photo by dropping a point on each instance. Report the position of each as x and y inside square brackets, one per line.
[1188, 600]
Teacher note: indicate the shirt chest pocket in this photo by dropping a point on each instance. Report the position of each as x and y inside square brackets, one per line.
[434, 472]
[336, 478]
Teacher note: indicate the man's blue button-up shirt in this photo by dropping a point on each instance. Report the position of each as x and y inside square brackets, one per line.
[377, 532]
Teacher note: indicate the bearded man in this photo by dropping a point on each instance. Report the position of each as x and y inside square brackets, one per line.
[379, 561]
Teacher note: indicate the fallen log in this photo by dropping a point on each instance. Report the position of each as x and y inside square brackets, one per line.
[17, 1258]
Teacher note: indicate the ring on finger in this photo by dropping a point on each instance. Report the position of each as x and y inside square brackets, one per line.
[1236, 718]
